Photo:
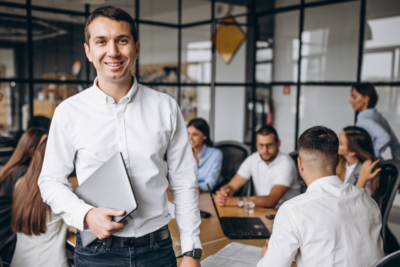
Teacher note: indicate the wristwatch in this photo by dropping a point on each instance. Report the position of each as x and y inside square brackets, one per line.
[195, 253]
[240, 202]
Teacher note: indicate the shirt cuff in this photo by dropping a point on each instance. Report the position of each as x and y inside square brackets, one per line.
[189, 243]
[80, 216]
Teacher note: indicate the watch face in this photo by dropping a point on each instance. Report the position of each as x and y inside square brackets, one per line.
[240, 203]
[197, 254]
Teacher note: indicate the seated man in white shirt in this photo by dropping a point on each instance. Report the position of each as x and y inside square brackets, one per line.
[331, 224]
[274, 174]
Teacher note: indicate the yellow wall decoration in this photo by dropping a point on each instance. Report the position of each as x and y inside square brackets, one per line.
[228, 38]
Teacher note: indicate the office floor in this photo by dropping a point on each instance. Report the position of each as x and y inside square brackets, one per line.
[394, 222]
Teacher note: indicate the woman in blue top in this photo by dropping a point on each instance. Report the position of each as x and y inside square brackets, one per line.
[208, 159]
[363, 99]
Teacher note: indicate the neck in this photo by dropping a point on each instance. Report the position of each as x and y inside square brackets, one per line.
[351, 160]
[116, 90]
[364, 108]
[317, 174]
[197, 149]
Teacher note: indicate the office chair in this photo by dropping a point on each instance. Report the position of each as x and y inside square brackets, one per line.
[234, 153]
[388, 187]
[303, 187]
[40, 122]
[391, 260]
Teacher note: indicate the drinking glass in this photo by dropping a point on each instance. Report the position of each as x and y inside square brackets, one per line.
[249, 204]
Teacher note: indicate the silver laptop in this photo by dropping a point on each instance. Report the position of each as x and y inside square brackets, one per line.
[108, 187]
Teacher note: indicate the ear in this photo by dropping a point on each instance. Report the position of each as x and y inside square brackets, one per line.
[300, 164]
[366, 98]
[87, 52]
[31, 151]
[278, 144]
[137, 50]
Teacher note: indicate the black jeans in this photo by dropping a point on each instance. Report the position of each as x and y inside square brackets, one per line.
[156, 254]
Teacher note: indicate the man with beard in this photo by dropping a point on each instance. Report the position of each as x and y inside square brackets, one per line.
[274, 174]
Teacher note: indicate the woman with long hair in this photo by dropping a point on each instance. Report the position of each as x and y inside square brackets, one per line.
[208, 159]
[357, 152]
[41, 234]
[364, 99]
[9, 175]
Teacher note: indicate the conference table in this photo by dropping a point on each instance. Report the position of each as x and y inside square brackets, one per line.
[211, 236]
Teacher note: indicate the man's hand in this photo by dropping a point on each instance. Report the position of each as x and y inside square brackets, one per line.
[190, 262]
[367, 172]
[222, 195]
[99, 222]
[265, 247]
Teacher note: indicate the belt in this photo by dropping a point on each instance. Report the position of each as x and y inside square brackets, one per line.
[159, 235]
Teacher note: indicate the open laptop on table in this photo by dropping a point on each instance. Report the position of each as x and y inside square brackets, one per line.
[241, 228]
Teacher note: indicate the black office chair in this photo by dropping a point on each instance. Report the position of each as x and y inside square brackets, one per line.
[40, 122]
[6, 235]
[303, 187]
[391, 260]
[385, 194]
[234, 153]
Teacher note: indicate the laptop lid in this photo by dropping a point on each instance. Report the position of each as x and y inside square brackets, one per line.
[109, 187]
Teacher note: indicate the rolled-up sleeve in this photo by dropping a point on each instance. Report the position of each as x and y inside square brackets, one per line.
[183, 183]
[53, 182]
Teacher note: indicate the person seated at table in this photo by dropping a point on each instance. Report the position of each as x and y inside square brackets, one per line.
[274, 174]
[356, 151]
[208, 159]
[364, 99]
[41, 234]
[14, 169]
[331, 224]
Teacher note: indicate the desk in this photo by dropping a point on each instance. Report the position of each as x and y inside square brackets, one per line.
[211, 235]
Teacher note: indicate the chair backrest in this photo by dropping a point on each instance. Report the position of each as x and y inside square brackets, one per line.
[391, 260]
[388, 187]
[234, 153]
[303, 187]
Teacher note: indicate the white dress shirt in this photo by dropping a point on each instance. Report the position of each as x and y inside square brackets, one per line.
[281, 171]
[330, 225]
[147, 127]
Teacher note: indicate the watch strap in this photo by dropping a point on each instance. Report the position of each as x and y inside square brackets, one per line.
[195, 253]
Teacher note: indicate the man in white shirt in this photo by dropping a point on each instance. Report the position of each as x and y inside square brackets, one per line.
[331, 224]
[274, 174]
[117, 115]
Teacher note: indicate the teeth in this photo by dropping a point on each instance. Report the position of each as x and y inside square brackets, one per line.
[114, 65]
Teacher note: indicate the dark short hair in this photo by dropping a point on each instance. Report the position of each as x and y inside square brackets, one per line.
[320, 142]
[113, 13]
[266, 130]
[367, 89]
[201, 125]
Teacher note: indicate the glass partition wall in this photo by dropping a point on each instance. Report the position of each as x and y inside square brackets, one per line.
[238, 64]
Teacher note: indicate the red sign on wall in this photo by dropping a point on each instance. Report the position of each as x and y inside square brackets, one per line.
[286, 89]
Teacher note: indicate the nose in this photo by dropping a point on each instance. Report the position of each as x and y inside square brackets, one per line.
[113, 50]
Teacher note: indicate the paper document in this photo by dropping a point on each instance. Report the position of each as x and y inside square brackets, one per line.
[234, 255]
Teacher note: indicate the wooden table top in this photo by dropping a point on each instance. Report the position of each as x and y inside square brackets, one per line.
[211, 236]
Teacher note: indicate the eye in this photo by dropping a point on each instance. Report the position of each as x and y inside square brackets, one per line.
[123, 41]
[100, 42]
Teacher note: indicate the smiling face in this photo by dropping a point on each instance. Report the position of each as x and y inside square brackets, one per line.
[196, 137]
[358, 101]
[111, 49]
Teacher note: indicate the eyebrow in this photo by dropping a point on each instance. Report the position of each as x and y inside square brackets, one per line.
[118, 37]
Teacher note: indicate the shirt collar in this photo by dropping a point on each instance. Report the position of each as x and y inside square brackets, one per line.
[104, 98]
[366, 112]
[334, 179]
[203, 152]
